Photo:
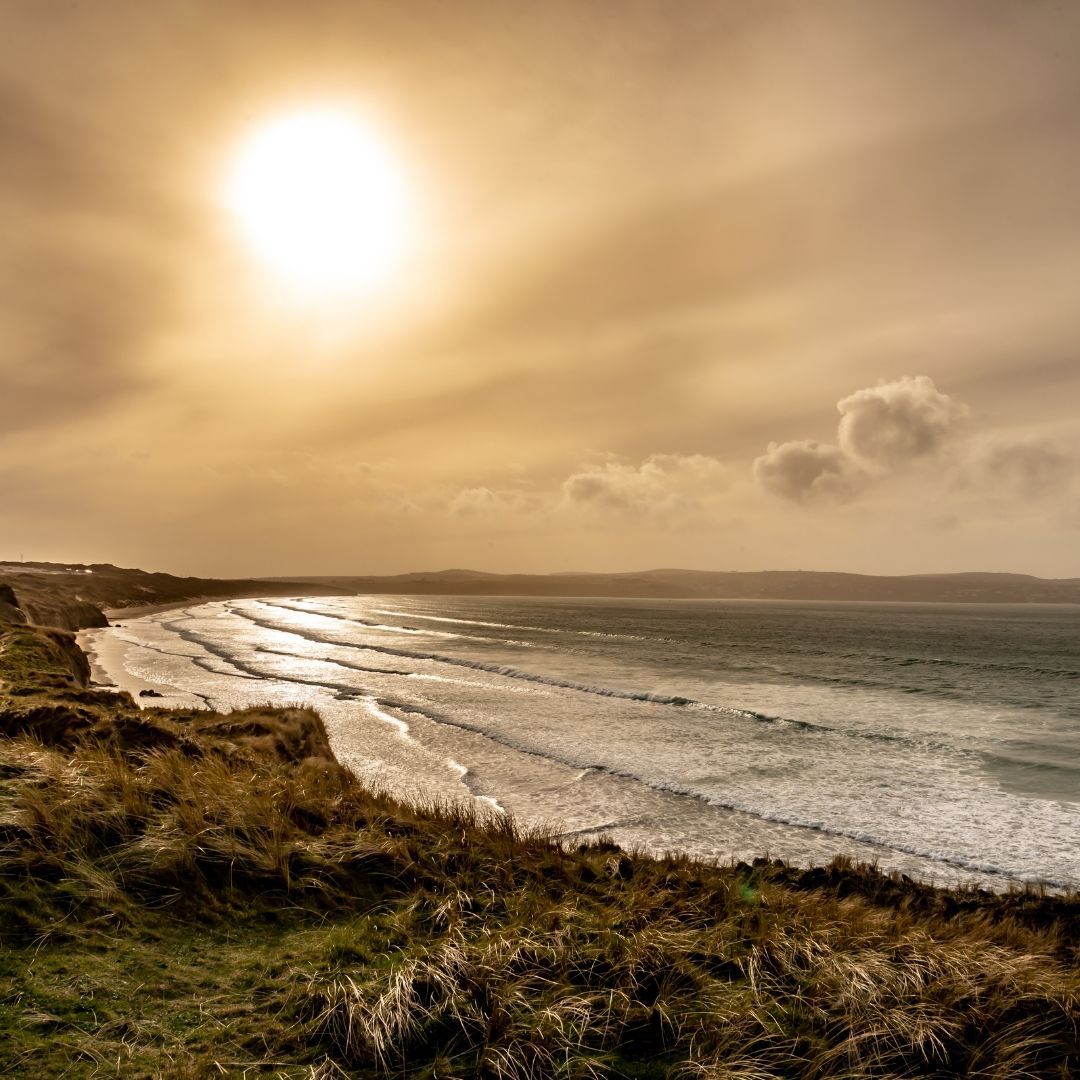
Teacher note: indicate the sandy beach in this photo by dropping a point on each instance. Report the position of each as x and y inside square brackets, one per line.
[107, 653]
[109, 668]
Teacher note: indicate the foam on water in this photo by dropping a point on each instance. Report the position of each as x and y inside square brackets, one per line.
[944, 742]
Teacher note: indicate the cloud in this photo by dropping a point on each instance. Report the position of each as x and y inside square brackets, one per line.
[473, 501]
[891, 424]
[89, 261]
[663, 483]
[1027, 467]
[807, 470]
[883, 429]
[487, 502]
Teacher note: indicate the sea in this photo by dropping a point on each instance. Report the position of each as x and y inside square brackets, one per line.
[940, 741]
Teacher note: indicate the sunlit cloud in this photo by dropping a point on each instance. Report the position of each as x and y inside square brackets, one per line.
[883, 429]
[890, 425]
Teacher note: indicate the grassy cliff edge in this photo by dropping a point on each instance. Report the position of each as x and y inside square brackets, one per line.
[189, 894]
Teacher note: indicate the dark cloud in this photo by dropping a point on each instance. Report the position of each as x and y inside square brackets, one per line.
[806, 471]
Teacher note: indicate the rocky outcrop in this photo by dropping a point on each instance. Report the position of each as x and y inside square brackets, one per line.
[64, 614]
[9, 606]
[67, 655]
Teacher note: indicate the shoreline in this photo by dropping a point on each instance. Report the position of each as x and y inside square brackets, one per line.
[108, 652]
[138, 611]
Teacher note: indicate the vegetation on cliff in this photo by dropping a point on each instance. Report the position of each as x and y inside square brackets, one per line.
[187, 894]
[73, 597]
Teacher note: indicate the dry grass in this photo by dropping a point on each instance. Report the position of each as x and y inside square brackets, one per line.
[291, 922]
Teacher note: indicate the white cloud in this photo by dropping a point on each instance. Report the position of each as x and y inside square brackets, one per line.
[883, 429]
[894, 423]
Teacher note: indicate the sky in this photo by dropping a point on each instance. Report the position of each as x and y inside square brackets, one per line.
[721, 285]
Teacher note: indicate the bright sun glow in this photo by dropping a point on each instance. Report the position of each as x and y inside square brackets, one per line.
[321, 202]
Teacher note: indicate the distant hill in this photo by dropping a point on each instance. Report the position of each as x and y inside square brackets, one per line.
[710, 584]
[72, 596]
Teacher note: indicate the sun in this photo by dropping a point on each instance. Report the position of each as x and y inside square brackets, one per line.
[320, 200]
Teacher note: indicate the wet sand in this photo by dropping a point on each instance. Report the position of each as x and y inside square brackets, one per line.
[106, 652]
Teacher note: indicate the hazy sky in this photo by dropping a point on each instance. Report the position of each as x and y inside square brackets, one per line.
[725, 285]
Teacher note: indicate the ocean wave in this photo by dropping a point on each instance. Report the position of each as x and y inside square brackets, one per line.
[991, 757]
[516, 626]
[643, 696]
[383, 627]
[466, 622]
[251, 671]
[466, 777]
[956, 860]
[200, 662]
[953, 662]
[1050, 768]
[779, 669]
[495, 669]
[810, 651]
[358, 667]
[978, 801]
[223, 660]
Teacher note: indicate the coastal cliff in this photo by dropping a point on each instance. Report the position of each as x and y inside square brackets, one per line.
[45, 693]
[10, 612]
[77, 597]
[185, 893]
